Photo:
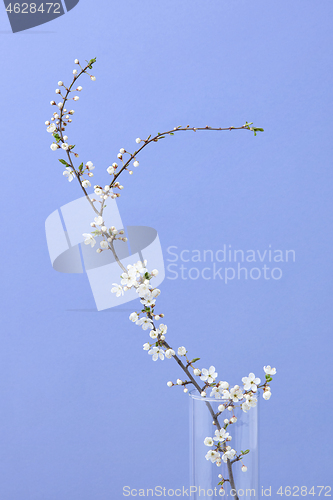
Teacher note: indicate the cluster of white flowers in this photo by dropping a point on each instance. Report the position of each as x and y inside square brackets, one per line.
[107, 234]
[246, 399]
[62, 117]
[138, 277]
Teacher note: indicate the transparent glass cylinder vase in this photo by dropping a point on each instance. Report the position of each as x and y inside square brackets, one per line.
[204, 474]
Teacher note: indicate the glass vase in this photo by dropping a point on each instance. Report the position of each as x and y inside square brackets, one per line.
[205, 475]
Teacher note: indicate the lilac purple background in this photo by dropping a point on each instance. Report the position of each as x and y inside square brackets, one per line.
[84, 411]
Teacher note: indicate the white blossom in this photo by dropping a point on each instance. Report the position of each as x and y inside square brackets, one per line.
[51, 128]
[99, 220]
[89, 239]
[212, 455]
[90, 165]
[245, 406]
[104, 244]
[269, 370]
[156, 352]
[153, 334]
[65, 146]
[221, 435]
[117, 289]
[54, 146]
[208, 441]
[267, 394]
[197, 372]
[143, 290]
[251, 382]
[146, 346]
[136, 163]
[181, 351]
[145, 323]
[244, 468]
[169, 353]
[148, 302]
[208, 375]
[69, 174]
[251, 400]
[134, 317]
[93, 78]
[138, 140]
[228, 455]
[236, 394]
[163, 328]
[141, 267]
[86, 183]
[169, 384]
[129, 278]
[60, 84]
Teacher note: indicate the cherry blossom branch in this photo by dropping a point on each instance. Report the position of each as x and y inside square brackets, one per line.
[138, 277]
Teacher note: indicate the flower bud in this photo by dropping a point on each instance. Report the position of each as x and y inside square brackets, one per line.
[169, 384]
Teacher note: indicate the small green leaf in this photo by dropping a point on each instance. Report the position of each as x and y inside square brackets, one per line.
[64, 162]
[194, 360]
[81, 167]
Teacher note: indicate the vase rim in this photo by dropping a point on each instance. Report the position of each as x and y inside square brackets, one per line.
[194, 394]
